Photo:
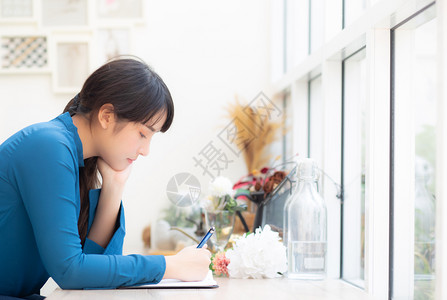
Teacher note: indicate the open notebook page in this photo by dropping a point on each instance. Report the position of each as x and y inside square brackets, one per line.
[208, 282]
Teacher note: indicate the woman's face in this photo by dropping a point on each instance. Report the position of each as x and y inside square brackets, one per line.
[124, 141]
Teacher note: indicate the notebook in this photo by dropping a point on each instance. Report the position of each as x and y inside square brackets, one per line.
[208, 282]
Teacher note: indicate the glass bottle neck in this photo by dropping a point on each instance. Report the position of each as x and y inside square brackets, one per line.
[307, 183]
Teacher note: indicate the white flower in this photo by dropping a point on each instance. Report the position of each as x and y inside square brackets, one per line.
[221, 191]
[221, 186]
[257, 255]
[207, 203]
[212, 203]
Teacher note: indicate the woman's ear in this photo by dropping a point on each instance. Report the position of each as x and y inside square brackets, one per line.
[106, 115]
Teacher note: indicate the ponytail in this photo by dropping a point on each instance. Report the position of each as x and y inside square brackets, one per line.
[88, 179]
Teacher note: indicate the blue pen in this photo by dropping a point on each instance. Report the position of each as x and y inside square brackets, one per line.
[206, 237]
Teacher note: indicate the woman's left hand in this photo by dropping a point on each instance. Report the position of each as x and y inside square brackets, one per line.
[111, 176]
[109, 203]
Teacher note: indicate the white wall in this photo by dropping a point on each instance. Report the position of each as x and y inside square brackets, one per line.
[206, 52]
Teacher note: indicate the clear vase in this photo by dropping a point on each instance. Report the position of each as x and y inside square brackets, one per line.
[223, 221]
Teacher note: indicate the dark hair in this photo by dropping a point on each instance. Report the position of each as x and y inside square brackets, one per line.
[137, 94]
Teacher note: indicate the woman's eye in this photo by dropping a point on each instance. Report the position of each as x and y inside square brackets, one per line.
[142, 135]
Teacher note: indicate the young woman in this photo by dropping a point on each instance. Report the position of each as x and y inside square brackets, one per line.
[53, 222]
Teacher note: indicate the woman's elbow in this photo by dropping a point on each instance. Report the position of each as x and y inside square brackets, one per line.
[68, 275]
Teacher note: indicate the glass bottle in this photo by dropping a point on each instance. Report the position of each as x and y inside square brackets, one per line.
[294, 186]
[306, 226]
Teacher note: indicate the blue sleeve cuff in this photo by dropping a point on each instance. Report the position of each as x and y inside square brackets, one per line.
[90, 247]
[151, 267]
[115, 245]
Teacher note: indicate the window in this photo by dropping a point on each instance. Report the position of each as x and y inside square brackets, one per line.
[316, 120]
[414, 165]
[352, 10]
[287, 133]
[297, 32]
[376, 124]
[353, 167]
[317, 23]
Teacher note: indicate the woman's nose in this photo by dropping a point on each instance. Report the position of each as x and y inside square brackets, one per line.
[144, 150]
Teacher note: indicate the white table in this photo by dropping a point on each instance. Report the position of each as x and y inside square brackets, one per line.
[250, 289]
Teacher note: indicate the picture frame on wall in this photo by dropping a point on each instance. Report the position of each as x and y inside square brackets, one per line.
[72, 65]
[112, 42]
[24, 53]
[64, 13]
[120, 9]
[16, 10]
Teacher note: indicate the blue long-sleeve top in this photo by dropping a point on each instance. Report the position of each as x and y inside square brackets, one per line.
[39, 211]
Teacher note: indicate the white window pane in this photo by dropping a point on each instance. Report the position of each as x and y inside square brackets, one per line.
[415, 156]
[317, 20]
[297, 29]
[425, 150]
[287, 133]
[354, 137]
[277, 40]
[316, 121]
[353, 9]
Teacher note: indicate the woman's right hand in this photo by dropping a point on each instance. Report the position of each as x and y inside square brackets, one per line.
[189, 264]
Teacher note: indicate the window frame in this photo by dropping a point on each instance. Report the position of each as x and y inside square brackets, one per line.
[373, 30]
[357, 282]
[402, 206]
[441, 159]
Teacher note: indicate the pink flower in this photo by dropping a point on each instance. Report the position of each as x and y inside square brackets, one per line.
[220, 263]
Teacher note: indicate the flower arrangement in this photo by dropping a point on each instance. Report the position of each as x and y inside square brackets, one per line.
[260, 187]
[219, 264]
[255, 255]
[257, 183]
[221, 197]
[258, 122]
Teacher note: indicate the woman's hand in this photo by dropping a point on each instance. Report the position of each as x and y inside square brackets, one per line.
[109, 203]
[190, 264]
[111, 176]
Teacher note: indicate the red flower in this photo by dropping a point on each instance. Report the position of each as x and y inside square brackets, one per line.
[264, 170]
